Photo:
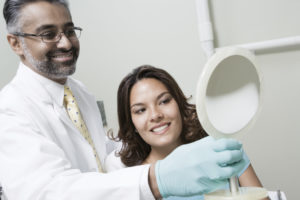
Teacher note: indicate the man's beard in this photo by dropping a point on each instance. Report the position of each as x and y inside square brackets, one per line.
[51, 69]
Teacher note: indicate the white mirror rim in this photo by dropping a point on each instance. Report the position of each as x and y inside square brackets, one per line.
[253, 97]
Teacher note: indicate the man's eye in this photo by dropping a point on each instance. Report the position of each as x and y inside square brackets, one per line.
[70, 32]
[48, 35]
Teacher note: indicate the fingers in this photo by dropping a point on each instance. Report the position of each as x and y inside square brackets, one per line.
[233, 169]
[226, 144]
[229, 157]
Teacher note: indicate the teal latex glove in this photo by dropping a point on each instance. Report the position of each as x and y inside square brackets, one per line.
[199, 167]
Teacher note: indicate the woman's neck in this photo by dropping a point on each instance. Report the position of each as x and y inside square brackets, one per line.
[159, 153]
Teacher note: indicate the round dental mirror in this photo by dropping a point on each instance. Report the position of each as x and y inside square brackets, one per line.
[228, 95]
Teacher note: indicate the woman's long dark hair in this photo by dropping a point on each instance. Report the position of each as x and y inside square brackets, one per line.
[134, 149]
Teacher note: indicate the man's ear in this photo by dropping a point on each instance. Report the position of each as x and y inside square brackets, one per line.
[15, 44]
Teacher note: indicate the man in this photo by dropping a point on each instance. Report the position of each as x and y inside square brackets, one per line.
[52, 145]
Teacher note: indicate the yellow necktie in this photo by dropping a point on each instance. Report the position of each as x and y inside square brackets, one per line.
[75, 116]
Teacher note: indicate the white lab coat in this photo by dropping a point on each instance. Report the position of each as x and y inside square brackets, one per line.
[43, 156]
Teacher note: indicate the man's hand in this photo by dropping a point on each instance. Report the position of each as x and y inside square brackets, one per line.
[197, 168]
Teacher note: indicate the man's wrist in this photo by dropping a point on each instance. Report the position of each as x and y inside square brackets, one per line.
[152, 182]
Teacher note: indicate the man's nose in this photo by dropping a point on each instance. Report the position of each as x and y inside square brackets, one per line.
[64, 42]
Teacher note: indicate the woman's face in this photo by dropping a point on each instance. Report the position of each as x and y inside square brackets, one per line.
[155, 114]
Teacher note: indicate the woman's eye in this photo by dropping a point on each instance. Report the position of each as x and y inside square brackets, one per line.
[166, 100]
[139, 111]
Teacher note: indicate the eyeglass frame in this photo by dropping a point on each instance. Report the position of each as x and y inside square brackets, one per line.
[57, 37]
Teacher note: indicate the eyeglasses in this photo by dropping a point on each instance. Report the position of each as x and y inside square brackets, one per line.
[54, 36]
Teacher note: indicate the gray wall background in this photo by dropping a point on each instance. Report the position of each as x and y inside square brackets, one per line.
[122, 34]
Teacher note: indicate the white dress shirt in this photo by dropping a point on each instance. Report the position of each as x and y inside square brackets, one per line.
[42, 154]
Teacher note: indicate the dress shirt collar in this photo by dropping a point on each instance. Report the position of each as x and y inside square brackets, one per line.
[53, 90]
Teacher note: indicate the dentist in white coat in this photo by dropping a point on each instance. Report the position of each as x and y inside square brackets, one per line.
[44, 156]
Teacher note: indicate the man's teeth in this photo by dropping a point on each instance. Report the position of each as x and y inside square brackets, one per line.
[62, 55]
[160, 128]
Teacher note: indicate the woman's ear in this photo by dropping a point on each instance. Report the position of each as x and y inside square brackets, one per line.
[15, 44]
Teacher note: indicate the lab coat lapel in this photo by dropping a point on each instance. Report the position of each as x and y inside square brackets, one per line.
[62, 114]
[91, 116]
[93, 122]
[75, 133]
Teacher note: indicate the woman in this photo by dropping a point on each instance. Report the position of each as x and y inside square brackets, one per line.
[154, 119]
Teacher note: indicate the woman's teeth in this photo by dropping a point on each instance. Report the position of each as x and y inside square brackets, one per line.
[160, 128]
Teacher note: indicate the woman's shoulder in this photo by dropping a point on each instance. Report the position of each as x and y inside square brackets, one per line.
[113, 162]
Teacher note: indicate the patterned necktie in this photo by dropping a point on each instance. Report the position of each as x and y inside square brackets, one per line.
[75, 116]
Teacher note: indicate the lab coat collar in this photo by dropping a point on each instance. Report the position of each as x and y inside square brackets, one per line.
[49, 91]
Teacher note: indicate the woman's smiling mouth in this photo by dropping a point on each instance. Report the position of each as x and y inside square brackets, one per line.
[160, 129]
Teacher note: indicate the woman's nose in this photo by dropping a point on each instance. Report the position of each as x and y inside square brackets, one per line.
[156, 115]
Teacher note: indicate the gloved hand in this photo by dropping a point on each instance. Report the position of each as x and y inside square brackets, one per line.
[199, 167]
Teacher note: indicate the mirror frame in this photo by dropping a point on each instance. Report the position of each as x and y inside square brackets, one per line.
[203, 81]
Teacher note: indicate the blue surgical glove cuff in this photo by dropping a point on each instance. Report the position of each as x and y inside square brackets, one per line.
[247, 161]
[160, 185]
